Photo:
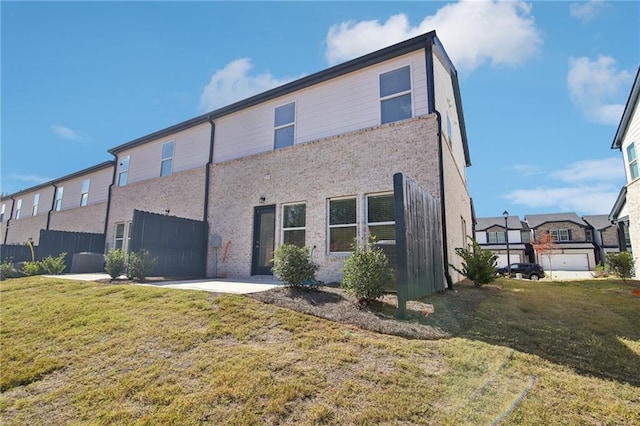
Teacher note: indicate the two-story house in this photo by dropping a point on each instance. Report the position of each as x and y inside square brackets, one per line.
[626, 210]
[490, 234]
[310, 163]
[604, 235]
[76, 202]
[574, 248]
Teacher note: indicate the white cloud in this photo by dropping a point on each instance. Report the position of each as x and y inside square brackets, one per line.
[527, 169]
[64, 132]
[604, 170]
[593, 84]
[35, 179]
[584, 199]
[586, 11]
[473, 32]
[233, 83]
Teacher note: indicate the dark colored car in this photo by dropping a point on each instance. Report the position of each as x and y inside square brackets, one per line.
[531, 271]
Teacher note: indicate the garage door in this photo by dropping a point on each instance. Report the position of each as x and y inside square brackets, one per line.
[502, 260]
[567, 262]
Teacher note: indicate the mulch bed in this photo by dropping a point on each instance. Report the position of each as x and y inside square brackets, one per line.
[437, 316]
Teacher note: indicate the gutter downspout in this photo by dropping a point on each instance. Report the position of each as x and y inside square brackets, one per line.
[6, 230]
[106, 217]
[205, 212]
[431, 105]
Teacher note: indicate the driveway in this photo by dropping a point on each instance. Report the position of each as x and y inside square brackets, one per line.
[218, 285]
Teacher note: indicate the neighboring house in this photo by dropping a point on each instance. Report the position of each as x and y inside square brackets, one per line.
[626, 210]
[308, 163]
[604, 235]
[575, 250]
[490, 234]
[76, 202]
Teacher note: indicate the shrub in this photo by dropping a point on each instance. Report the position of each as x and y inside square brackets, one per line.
[621, 264]
[478, 265]
[7, 270]
[366, 272]
[53, 265]
[115, 263]
[293, 265]
[31, 268]
[602, 271]
[141, 265]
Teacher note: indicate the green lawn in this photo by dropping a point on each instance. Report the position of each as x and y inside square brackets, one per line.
[534, 353]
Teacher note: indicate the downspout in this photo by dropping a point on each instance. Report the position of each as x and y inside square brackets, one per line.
[106, 217]
[6, 230]
[431, 105]
[53, 206]
[207, 180]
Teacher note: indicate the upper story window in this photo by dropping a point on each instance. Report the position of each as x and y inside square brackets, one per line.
[449, 130]
[2, 211]
[381, 219]
[18, 208]
[166, 165]
[36, 201]
[342, 224]
[395, 95]
[496, 237]
[123, 176]
[632, 161]
[294, 224]
[561, 234]
[589, 235]
[84, 197]
[58, 204]
[284, 125]
[525, 236]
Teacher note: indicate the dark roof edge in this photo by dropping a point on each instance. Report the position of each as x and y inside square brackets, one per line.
[88, 170]
[628, 112]
[617, 206]
[361, 62]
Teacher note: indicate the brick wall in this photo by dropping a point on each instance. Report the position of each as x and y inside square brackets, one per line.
[633, 207]
[351, 164]
[578, 233]
[82, 219]
[20, 230]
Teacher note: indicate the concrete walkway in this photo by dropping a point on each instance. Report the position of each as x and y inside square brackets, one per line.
[253, 284]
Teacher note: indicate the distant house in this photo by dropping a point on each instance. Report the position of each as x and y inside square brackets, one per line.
[490, 234]
[308, 163]
[604, 235]
[76, 202]
[626, 210]
[573, 241]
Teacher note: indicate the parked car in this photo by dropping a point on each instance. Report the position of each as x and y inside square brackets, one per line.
[531, 271]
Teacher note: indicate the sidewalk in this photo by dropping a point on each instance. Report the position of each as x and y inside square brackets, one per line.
[253, 284]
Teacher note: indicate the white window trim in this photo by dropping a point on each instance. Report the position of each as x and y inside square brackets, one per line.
[283, 229]
[284, 126]
[366, 212]
[121, 171]
[126, 236]
[84, 201]
[18, 208]
[631, 162]
[329, 226]
[58, 200]
[163, 159]
[36, 202]
[398, 94]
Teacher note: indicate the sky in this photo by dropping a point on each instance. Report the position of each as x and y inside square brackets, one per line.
[543, 83]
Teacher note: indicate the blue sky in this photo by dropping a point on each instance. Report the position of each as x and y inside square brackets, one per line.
[543, 83]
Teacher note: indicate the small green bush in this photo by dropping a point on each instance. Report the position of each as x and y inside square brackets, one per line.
[31, 268]
[53, 265]
[7, 270]
[366, 272]
[621, 264]
[115, 263]
[478, 265]
[293, 265]
[141, 265]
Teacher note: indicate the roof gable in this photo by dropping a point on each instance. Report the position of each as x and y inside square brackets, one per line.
[536, 220]
[631, 105]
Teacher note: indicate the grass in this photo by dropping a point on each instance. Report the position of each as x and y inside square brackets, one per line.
[533, 353]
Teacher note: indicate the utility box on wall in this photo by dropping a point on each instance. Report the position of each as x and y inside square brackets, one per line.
[86, 262]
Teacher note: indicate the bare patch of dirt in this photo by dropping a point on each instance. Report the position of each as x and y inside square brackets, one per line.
[436, 316]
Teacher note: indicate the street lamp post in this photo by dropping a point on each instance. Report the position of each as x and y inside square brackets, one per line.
[505, 214]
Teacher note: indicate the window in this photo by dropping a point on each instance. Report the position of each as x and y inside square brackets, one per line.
[166, 165]
[633, 162]
[342, 224]
[449, 131]
[293, 224]
[36, 201]
[496, 237]
[381, 219]
[284, 125]
[560, 234]
[84, 198]
[18, 208]
[395, 95]
[123, 177]
[58, 204]
[525, 236]
[2, 211]
[120, 242]
[589, 235]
